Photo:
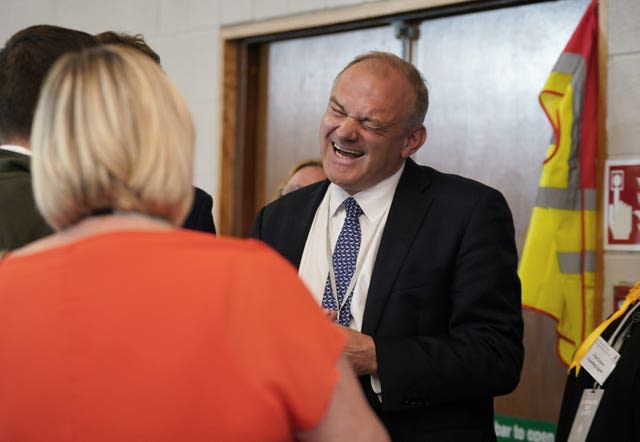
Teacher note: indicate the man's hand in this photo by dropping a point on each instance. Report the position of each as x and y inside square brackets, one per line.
[360, 349]
[361, 352]
[330, 313]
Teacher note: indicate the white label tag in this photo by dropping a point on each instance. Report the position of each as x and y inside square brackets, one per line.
[584, 414]
[600, 360]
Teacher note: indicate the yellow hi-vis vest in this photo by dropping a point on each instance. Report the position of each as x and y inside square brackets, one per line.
[557, 266]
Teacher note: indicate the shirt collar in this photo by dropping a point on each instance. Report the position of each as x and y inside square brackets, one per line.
[15, 148]
[373, 201]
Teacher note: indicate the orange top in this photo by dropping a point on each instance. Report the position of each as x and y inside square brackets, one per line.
[160, 336]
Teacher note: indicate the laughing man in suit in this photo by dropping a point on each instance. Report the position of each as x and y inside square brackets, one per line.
[435, 324]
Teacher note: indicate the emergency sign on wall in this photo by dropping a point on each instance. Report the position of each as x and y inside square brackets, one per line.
[622, 205]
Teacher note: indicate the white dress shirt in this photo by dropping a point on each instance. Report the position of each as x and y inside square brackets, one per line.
[314, 265]
[15, 148]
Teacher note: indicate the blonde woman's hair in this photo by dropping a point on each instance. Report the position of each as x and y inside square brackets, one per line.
[111, 132]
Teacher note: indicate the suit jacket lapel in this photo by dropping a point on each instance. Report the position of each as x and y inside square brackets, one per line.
[408, 208]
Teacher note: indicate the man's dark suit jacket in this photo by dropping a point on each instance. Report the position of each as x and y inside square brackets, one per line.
[22, 223]
[200, 217]
[443, 305]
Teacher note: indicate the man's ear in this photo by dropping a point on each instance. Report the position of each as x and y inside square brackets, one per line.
[415, 140]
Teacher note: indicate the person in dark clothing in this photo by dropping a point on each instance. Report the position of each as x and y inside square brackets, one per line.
[605, 409]
[25, 61]
[418, 266]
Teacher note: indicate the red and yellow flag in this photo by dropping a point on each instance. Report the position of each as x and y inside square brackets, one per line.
[557, 266]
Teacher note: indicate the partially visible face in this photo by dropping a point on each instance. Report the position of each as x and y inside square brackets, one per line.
[303, 177]
[363, 136]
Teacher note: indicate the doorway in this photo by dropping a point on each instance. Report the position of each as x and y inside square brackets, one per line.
[484, 69]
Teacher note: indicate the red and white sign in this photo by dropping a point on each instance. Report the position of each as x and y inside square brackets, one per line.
[622, 205]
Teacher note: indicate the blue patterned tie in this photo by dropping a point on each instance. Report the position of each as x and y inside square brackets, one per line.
[344, 260]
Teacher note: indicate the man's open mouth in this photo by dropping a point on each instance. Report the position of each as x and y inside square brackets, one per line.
[345, 153]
